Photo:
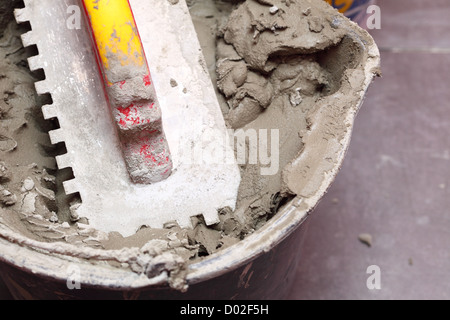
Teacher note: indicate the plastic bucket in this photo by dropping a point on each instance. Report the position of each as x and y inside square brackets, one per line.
[261, 266]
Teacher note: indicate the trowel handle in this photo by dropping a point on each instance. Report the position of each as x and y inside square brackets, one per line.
[116, 38]
[130, 90]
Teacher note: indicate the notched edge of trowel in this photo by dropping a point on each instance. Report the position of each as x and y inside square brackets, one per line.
[49, 111]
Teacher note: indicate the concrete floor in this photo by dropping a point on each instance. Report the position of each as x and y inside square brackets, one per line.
[395, 182]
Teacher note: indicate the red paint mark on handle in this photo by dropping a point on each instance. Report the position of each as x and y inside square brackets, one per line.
[147, 80]
[126, 111]
[147, 151]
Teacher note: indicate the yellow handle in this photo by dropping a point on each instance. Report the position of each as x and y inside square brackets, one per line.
[131, 94]
[115, 33]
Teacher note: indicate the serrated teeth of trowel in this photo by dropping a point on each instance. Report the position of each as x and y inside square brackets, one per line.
[28, 39]
[64, 161]
[35, 63]
[49, 111]
[22, 14]
[56, 136]
[185, 223]
[71, 186]
[42, 87]
[211, 217]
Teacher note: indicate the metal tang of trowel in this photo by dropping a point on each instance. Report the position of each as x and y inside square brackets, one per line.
[138, 113]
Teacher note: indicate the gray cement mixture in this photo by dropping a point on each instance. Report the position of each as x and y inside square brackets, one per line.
[274, 63]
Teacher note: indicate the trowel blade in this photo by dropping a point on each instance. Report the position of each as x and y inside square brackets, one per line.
[206, 176]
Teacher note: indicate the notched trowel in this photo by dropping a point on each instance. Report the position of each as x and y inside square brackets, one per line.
[144, 150]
